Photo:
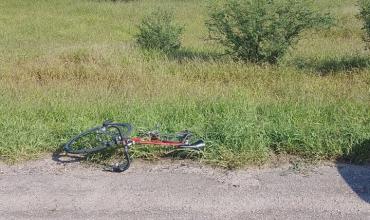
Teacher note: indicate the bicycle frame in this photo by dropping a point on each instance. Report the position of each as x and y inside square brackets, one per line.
[138, 140]
[178, 144]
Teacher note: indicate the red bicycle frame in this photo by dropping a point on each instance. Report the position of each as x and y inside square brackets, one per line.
[138, 140]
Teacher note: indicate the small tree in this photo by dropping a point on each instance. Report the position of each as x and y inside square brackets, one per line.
[261, 30]
[365, 16]
[159, 31]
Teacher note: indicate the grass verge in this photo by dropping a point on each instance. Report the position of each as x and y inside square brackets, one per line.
[74, 66]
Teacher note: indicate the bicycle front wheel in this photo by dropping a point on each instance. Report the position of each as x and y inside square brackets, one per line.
[94, 140]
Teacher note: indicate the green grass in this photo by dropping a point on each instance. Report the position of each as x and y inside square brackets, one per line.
[68, 65]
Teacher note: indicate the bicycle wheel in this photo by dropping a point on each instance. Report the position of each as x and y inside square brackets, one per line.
[98, 138]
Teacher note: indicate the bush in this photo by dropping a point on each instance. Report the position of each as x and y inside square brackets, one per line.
[365, 16]
[261, 30]
[158, 31]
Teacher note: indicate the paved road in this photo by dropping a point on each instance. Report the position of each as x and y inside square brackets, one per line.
[182, 190]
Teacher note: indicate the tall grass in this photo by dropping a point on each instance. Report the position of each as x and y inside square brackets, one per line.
[68, 65]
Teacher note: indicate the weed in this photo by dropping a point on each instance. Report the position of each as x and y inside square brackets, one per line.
[158, 31]
[261, 30]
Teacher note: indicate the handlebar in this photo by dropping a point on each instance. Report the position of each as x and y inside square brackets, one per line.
[118, 126]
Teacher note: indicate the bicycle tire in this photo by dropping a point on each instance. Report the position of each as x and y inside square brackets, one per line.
[97, 145]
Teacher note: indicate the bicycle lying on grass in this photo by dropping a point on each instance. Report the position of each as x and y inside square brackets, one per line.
[113, 135]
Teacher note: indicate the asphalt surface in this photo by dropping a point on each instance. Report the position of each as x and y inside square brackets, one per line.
[45, 189]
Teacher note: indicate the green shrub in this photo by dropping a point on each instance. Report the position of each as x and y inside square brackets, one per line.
[159, 31]
[261, 30]
[365, 16]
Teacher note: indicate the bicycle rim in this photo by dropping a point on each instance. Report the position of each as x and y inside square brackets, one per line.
[93, 140]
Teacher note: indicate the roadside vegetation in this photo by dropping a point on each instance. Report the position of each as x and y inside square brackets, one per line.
[262, 31]
[365, 17]
[158, 31]
[68, 65]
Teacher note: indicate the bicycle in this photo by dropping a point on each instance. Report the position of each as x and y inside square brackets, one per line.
[113, 135]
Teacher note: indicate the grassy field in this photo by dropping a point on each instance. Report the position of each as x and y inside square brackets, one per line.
[67, 65]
